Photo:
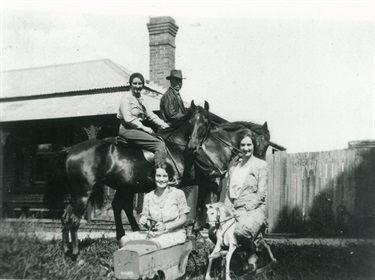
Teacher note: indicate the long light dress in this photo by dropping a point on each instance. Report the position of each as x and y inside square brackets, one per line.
[246, 195]
[165, 209]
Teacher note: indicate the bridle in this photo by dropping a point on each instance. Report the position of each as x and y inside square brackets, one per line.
[205, 135]
[218, 222]
[235, 151]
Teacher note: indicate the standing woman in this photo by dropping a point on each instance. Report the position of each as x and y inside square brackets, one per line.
[164, 211]
[246, 194]
[133, 112]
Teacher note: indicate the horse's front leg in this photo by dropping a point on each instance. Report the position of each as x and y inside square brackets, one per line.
[201, 216]
[128, 207]
[269, 250]
[232, 248]
[215, 254]
[117, 209]
[210, 260]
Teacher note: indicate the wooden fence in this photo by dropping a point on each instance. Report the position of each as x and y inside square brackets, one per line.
[313, 194]
[322, 194]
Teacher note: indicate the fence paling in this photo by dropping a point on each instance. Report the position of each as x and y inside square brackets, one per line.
[325, 192]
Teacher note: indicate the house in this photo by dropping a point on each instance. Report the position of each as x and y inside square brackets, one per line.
[46, 108]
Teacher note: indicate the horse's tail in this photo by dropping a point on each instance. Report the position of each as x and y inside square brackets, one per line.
[57, 187]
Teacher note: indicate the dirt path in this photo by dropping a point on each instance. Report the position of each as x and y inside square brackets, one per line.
[338, 242]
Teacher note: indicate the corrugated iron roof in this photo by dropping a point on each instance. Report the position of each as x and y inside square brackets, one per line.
[67, 90]
[82, 76]
[64, 107]
[38, 93]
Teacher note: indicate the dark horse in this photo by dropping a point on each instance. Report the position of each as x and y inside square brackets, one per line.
[217, 146]
[207, 173]
[93, 164]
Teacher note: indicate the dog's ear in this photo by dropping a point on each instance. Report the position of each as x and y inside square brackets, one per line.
[208, 206]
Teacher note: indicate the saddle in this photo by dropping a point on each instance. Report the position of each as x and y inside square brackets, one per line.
[149, 156]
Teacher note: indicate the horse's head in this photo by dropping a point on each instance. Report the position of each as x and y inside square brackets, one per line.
[262, 141]
[199, 126]
[217, 213]
[260, 135]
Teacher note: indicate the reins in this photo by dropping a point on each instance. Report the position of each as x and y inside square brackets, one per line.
[206, 134]
[233, 149]
[213, 163]
[171, 141]
[218, 222]
[230, 146]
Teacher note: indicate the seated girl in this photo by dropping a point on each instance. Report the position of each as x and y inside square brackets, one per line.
[164, 211]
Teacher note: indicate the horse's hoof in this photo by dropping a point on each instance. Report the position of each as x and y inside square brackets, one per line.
[75, 254]
[67, 251]
[274, 260]
[118, 238]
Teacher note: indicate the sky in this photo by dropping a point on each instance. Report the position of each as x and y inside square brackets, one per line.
[305, 67]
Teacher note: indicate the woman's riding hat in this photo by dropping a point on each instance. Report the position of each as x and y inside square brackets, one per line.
[175, 74]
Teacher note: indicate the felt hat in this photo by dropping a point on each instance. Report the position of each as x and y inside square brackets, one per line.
[175, 74]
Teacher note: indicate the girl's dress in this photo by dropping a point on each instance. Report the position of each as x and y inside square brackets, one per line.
[167, 208]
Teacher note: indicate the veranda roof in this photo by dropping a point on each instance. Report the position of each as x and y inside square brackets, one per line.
[73, 77]
[65, 107]
[70, 90]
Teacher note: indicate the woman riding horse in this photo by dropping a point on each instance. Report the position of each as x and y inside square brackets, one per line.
[133, 112]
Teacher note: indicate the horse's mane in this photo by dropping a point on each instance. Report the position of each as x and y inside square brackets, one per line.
[165, 133]
[230, 127]
[177, 123]
[234, 126]
[235, 130]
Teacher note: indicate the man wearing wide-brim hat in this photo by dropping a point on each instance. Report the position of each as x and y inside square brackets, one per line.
[171, 105]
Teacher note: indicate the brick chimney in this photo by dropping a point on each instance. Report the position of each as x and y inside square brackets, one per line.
[163, 32]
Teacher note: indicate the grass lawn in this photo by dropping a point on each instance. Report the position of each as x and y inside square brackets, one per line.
[28, 257]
